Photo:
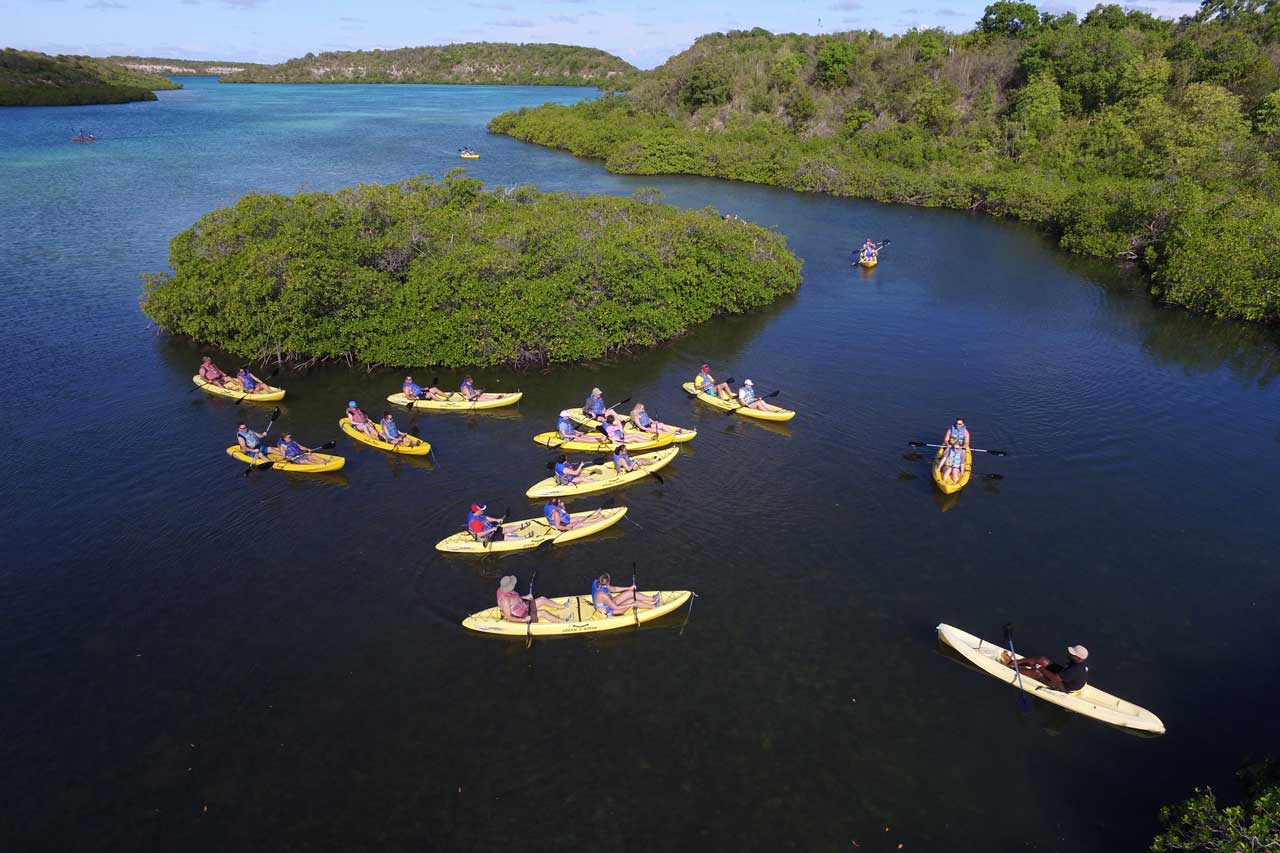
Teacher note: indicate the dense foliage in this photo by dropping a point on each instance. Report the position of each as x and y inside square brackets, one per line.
[29, 79]
[1125, 135]
[443, 273]
[1202, 824]
[183, 67]
[475, 62]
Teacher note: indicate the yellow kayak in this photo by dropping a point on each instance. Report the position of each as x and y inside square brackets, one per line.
[680, 436]
[868, 263]
[331, 463]
[775, 414]
[555, 442]
[533, 532]
[951, 488]
[267, 396]
[414, 447]
[597, 478]
[588, 618]
[457, 402]
[469, 156]
[1089, 700]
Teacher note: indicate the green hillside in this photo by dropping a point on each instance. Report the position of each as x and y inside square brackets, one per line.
[30, 79]
[1124, 135]
[477, 62]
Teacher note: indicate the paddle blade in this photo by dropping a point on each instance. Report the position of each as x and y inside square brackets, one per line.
[275, 413]
[655, 475]
[998, 452]
[771, 396]
[1008, 633]
[544, 544]
[435, 381]
[730, 380]
[993, 476]
[551, 465]
[328, 445]
[918, 443]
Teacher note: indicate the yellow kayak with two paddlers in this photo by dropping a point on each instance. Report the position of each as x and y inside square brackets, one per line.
[597, 478]
[553, 441]
[268, 394]
[413, 446]
[586, 619]
[457, 402]
[773, 413]
[530, 533]
[330, 463]
[680, 436]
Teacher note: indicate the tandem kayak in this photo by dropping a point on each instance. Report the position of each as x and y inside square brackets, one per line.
[1089, 700]
[868, 263]
[465, 543]
[597, 478]
[331, 463]
[414, 447]
[588, 618]
[555, 442]
[715, 401]
[270, 395]
[952, 488]
[457, 403]
[680, 436]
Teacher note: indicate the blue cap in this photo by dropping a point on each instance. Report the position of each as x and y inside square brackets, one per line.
[351, 403]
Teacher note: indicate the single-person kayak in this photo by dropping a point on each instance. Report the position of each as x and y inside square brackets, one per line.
[532, 532]
[553, 441]
[681, 435]
[331, 463]
[776, 413]
[951, 488]
[457, 402]
[413, 447]
[597, 478]
[268, 395]
[588, 619]
[1089, 700]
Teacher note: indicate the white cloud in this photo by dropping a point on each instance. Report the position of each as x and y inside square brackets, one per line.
[518, 23]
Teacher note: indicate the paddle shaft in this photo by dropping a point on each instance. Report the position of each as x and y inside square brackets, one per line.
[742, 405]
[1013, 659]
[972, 449]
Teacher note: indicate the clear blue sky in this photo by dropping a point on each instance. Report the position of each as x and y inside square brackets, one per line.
[644, 32]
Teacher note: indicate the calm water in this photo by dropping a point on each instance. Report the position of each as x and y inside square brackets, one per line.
[194, 660]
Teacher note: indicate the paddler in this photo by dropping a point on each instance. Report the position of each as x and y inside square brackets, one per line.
[869, 250]
[391, 434]
[566, 431]
[250, 442]
[640, 420]
[594, 406]
[1070, 677]
[468, 389]
[951, 465]
[706, 383]
[613, 432]
[413, 391]
[957, 432]
[565, 473]
[748, 400]
[360, 421]
[211, 374]
[249, 383]
[514, 608]
[487, 528]
[297, 454]
[623, 463]
[558, 516]
[611, 600]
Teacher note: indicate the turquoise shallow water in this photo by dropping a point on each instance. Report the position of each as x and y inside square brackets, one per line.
[286, 653]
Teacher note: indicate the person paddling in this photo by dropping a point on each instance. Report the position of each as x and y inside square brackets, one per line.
[250, 441]
[391, 434]
[297, 454]
[468, 390]
[640, 420]
[623, 463]
[487, 528]
[869, 250]
[413, 391]
[211, 374]
[706, 383]
[594, 406]
[748, 399]
[1070, 677]
[613, 600]
[558, 516]
[565, 473]
[951, 463]
[514, 608]
[249, 383]
[957, 432]
[613, 432]
[566, 430]
[360, 421]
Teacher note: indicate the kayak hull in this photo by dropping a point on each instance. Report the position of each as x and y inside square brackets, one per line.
[269, 396]
[588, 619]
[679, 437]
[457, 403]
[1089, 700]
[597, 478]
[553, 441]
[715, 402]
[868, 264]
[952, 488]
[422, 448]
[331, 463]
[465, 543]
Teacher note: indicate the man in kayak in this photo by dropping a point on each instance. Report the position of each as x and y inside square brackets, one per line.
[468, 390]
[558, 516]
[359, 420]
[594, 406]
[210, 373]
[705, 383]
[958, 433]
[514, 608]
[613, 600]
[487, 528]
[748, 400]
[1070, 677]
[251, 384]
[413, 391]
[640, 420]
[565, 473]
[391, 434]
[951, 465]
[250, 442]
[295, 453]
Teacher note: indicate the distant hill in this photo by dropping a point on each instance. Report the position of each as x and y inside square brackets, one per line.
[184, 67]
[30, 79]
[475, 62]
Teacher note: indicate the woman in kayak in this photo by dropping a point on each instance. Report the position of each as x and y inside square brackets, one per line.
[558, 516]
[958, 433]
[612, 600]
[748, 400]
[567, 474]
[951, 465]
[391, 434]
[613, 432]
[640, 420]
[1070, 677]
[623, 463]
[210, 373]
[566, 431]
[359, 420]
[250, 442]
[706, 383]
[594, 406]
[514, 608]
[251, 384]
[468, 389]
[295, 453]
[413, 391]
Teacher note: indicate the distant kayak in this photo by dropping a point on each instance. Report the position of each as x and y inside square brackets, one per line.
[868, 263]
[951, 488]
[465, 543]
[588, 618]
[553, 441]
[235, 392]
[84, 137]
[331, 463]
[457, 402]
[414, 447]
[717, 402]
[1089, 700]
[597, 478]
[471, 156]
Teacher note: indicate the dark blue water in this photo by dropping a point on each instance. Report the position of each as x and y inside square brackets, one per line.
[198, 660]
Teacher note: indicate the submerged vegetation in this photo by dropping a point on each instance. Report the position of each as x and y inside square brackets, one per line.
[1125, 135]
[474, 62]
[444, 273]
[30, 79]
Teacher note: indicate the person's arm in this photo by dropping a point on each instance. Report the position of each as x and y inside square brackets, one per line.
[966, 439]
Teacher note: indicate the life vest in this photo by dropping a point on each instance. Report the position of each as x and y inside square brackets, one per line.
[251, 439]
[746, 395]
[705, 383]
[467, 388]
[613, 431]
[412, 389]
[291, 449]
[594, 405]
[955, 457]
[618, 460]
[518, 607]
[389, 426]
[956, 433]
[643, 419]
[551, 511]
[595, 600]
[246, 381]
[561, 477]
[565, 427]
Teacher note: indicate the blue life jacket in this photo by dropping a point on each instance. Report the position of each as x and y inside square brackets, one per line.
[617, 462]
[955, 457]
[412, 389]
[595, 600]
[291, 449]
[561, 477]
[643, 419]
[746, 395]
[565, 427]
[594, 405]
[246, 381]
[956, 433]
[613, 431]
[250, 437]
[467, 388]
[390, 427]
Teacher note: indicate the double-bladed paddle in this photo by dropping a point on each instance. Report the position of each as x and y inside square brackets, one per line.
[974, 449]
[1013, 661]
[533, 613]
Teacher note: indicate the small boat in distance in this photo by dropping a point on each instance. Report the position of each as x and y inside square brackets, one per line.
[468, 154]
[84, 137]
